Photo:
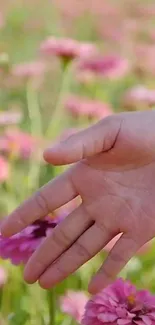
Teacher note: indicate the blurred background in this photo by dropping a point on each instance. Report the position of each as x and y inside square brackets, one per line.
[63, 66]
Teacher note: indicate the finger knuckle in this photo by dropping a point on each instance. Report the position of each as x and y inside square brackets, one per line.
[40, 264]
[104, 228]
[84, 150]
[61, 269]
[22, 220]
[41, 202]
[109, 274]
[61, 239]
[81, 250]
[117, 258]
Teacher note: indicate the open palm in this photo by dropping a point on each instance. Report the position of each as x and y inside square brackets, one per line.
[114, 174]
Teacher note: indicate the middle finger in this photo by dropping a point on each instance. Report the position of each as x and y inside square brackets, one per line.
[61, 238]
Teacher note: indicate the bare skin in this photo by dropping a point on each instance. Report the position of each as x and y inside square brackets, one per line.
[114, 174]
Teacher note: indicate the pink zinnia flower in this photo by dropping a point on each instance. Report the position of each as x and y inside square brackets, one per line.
[112, 67]
[85, 77]
[18, 143]
[29, 69]
[73, 303]
[67, 49]
[79, 106]
[21, 246]
[121, 304]
[144, 59]
[4, 169]
[139, 97]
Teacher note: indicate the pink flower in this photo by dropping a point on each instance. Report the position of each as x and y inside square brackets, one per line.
[85, 77]
[10, 117]
[21, 246]
[67, 49]
[78, 106]
[29, 69]
[146, 11]
[144, 59]
[4, 169]
[121, 304]
[139, 97]
[17, 143]
[73, 304]
[112, 67]
[3, 276]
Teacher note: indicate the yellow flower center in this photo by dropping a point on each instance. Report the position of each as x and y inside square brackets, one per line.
[131, 299]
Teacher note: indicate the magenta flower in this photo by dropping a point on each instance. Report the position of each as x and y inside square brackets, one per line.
[4, 169]
[112, 67]
[73, 303]
[21, 246]
[29, 69]
[79, 106]
[67, 49]
[121, 304]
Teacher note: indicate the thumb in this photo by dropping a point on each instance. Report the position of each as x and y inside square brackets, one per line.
[100, 137]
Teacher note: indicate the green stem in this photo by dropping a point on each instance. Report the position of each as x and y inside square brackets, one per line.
[51, 306]
[59, 115]
[36, 131]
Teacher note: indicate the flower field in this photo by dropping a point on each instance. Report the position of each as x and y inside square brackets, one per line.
[65, 65]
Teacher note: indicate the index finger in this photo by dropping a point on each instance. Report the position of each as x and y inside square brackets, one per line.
[47, 199]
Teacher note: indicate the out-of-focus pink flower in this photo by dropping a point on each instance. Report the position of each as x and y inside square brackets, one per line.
[73, 304]
[29, 69]
[17, 143]
[112, 67]
[85, 77]
[144, 59]
[21, 246]
[78, 106]
[10, 117]
[111, 244]
[3, 276]
[139, 97]
[4, 169]
[67, 49]
[146, 10]
[120, 304]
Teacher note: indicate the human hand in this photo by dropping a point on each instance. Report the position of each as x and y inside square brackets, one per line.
[114, 174]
